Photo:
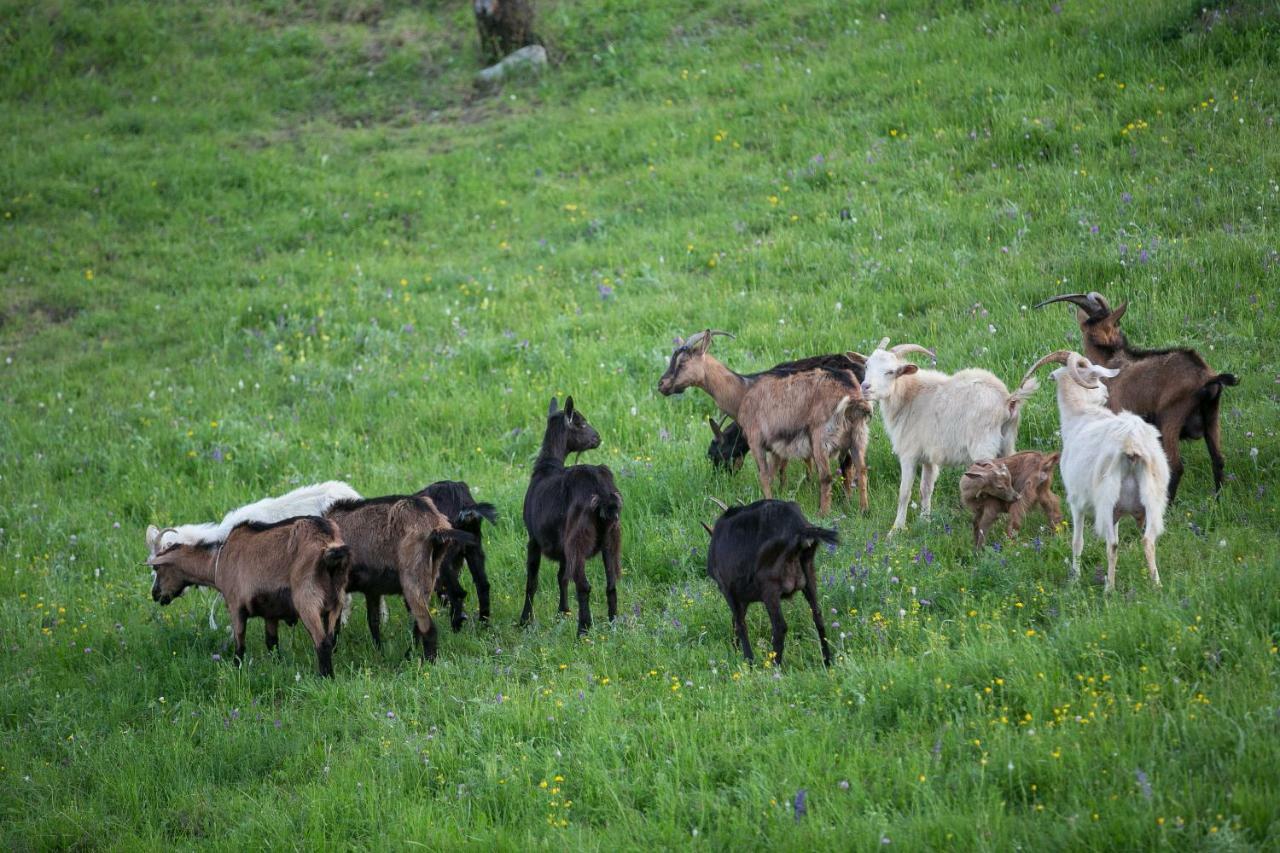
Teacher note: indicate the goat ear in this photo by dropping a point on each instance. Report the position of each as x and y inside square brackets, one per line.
[568, 407]
[1119, 312]
[855, 356]
[153, 537]
[715, 429]
[704, 527]
[705, 343]
[1052, 459]
[977, 475]
[907, 369]
[553, 408]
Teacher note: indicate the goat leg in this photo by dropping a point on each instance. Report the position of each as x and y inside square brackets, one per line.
[1170, 432]
[373, 611]
[563, 576]
[1213, 441]
[272, 634]
[1052, 508]
[611, 555]
[820, 461]
[1149, 551]
[533, 560]
[811, 595]
[739, 611]
[583, 585]
[928, 477]
[1077, 541]
[321, 639]
[773, 604]
[908, 467]
[239, 616]
[475, 565]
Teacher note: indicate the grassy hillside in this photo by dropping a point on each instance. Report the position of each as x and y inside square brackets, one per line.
[248, 245]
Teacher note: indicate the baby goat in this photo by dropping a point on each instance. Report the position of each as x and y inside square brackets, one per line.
[398, 544]
[1112, 463]
[809, 415]
[572, 513]
[764, 552]
[453, 498]
[1013, 485]
[1175, 389]
[292, 569]
[934, 419]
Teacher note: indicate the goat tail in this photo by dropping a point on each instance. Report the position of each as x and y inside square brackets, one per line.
[452, 534]
[335, 559]
[486, 511]
[1151, 470]
[1023, 393]
[811, 535]
[1212, 390]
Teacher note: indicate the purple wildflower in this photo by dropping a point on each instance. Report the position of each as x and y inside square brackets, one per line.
[1143, 783]
[843, 784]
[216, 454]
[1093, 229]
[799, 807]
[1126, 197]
[1143, 257]
[606, 292]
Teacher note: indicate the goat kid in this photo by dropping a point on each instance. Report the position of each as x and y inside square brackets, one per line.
[1013, 485]
[1174, 389]
[808, 415]
[571, 514]
[934, 419]
[764, 552]
[454, 499]
[1112, 462]
[288, 570]
[398, 544]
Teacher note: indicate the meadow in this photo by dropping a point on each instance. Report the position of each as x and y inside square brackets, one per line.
[250, 245]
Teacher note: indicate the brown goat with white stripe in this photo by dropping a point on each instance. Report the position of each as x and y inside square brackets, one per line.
[286, 570]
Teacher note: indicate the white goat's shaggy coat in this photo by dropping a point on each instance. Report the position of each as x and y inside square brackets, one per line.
[1111, 463]
[306, 500]
[933, 419]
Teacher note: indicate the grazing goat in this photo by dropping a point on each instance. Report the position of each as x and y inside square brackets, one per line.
[572, 513]
[306, 500]
[934, 419]
[1013, 485]
[692, 366]
[764, 552]
[453, 498]
[291, 569]
[1174, 389]
[1112, 463]
[398, 544]
[809, 415]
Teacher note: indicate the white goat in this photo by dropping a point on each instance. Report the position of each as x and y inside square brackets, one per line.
[934, 419]
[306, 500]
[1112, 463]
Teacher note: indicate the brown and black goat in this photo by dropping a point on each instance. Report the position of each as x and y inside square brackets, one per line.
[398, 544]
[1175, 390]
[286, 570]
[1012, 484]
[691, 366]
[764, 552]
[807, 415]
[572, 513]
[454, 499]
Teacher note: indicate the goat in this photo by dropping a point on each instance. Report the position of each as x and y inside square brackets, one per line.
[1111, 462]
[398, 544]
[808, 415]
[287, 570]
[764, 552]
[453, 498]
[692, 366]
[1013, 485]
[572, 513]
[1174, 389]
[306, 500]
[934, 419]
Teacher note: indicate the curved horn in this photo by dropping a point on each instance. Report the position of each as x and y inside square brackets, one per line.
[1056, 357]
[719, 503]
[1100, 301]
[696, 337]
[1090, 302]
[884, 343]
[902, 349]
[1078, 366]
[160, 538]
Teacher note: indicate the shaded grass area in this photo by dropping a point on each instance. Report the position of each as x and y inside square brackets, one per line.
[250, 245]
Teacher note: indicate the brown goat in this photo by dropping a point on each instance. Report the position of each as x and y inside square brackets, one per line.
[292, 569]
[807, 415]
[1012, 484]
[1173, 389]
[398, 544]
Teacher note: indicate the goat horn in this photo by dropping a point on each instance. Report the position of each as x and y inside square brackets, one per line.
[697, 337]
[902, 349]
[1088, 301]
[1101, 301]
[719, 503]
[1078, 366]
[1057, 357]
[884, 342]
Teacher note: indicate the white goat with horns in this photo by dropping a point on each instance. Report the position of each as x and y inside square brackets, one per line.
[934, 419]
[1110, 462]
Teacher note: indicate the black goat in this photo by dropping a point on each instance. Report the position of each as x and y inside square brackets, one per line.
[764, 552]
[572, 513]
[453, 499]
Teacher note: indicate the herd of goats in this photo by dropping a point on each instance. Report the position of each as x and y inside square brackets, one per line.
[1123, 412]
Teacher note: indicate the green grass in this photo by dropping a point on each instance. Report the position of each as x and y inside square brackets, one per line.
[250, 245]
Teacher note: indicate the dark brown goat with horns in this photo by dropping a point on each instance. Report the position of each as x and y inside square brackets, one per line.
[1173, 389]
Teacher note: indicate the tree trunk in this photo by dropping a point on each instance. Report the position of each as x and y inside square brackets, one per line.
[504, 25]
